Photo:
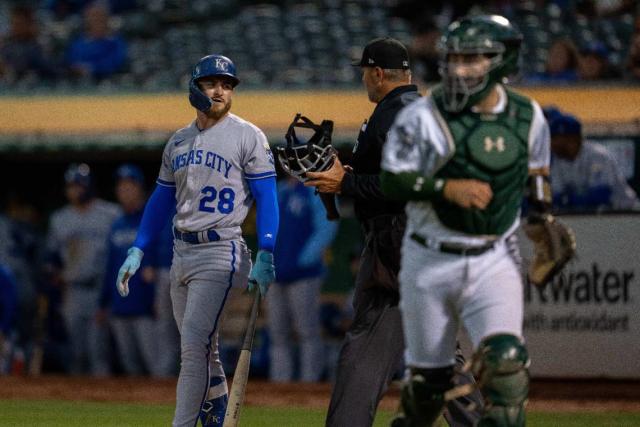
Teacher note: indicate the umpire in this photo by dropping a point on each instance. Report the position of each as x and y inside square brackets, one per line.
[373, 348]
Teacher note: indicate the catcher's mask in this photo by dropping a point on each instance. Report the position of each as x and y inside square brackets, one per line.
[315, 155]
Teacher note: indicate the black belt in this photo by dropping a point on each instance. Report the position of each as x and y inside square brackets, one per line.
[454, 248]
[195, 237]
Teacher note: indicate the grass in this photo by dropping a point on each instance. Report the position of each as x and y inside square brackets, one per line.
[52, 413]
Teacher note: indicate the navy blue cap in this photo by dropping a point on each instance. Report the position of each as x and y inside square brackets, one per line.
[78, 174]
[565, 124]
[129, 171]
[384, 52]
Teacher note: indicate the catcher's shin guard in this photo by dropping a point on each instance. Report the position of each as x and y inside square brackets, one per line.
[422, 399]
[500, 367]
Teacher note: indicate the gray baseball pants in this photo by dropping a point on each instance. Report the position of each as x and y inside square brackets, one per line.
[201, 277]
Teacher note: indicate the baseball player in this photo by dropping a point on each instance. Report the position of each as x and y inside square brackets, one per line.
[211, 171]
[585, 174]
[131, 319]
[78, 240]
[463, 157]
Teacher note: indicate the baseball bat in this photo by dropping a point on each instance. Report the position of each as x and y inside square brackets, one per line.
[241, 374]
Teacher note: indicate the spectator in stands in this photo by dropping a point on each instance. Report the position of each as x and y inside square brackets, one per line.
[62, 9]
[8, 306]
[77, 247]
[594, 63]
[562, 63]
[98, 53]
[131, 319]
[22, 54]
[293, 300]
[584, 175]
[423, 50]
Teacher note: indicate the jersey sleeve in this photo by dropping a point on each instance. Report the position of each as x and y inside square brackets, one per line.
[539, 140]
[258, 159]
[165, 176]
[416, 142]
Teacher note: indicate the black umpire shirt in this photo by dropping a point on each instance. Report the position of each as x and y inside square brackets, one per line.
[364, 184]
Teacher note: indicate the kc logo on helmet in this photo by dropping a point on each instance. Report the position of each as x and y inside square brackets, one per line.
[221, 64]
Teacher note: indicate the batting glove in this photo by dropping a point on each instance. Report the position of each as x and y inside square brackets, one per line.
[263, 272]
[128, 269]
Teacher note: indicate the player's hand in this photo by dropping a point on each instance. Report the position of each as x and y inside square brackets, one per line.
[468, 193]
[329, 181]
[128, 269]
[263, 272]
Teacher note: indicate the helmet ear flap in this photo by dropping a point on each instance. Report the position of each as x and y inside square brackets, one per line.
[197, 98]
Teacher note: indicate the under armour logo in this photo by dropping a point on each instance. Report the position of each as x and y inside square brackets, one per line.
[221, 64]
[490, 144]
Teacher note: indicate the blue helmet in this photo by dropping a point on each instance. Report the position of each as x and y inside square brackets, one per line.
[210, 65]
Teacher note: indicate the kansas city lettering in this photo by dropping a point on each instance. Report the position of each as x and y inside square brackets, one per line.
[200, 157]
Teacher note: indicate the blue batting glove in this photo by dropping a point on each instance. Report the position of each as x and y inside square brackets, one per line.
[263, 272]
[128, 269]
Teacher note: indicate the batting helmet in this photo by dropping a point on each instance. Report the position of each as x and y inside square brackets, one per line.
[78, 174]
[490, 35]
[211, 65]
[315, 155]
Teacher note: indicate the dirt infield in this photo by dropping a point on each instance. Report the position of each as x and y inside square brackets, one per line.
[549, 395]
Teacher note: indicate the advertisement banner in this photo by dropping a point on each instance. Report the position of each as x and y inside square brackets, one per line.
[586, 323]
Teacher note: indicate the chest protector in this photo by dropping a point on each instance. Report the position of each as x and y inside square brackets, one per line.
[488, 147]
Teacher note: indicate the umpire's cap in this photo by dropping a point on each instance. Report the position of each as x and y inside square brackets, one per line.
[384, 52]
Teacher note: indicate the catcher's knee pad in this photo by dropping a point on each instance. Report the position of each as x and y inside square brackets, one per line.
[500, 366]
[422, 397]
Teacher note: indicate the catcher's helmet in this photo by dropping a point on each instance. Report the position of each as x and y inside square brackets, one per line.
[489, 35]
[78, 174]
[315, 155]
[211, 65]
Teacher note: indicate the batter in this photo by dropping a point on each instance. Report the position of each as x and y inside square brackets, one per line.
[211, 171]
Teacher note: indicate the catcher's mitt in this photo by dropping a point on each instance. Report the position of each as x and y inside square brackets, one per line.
[555, 245]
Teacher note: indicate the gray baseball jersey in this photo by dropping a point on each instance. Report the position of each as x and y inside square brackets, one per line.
[209, 170]
[80, 237]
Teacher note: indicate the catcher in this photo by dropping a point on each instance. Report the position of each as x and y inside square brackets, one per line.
[463, 157]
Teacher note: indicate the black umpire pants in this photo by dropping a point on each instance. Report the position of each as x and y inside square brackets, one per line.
[373, 349]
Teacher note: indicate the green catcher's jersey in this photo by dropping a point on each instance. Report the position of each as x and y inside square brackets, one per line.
[493, 148]
[498, 148]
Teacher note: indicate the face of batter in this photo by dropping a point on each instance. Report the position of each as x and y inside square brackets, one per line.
[220, 90]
